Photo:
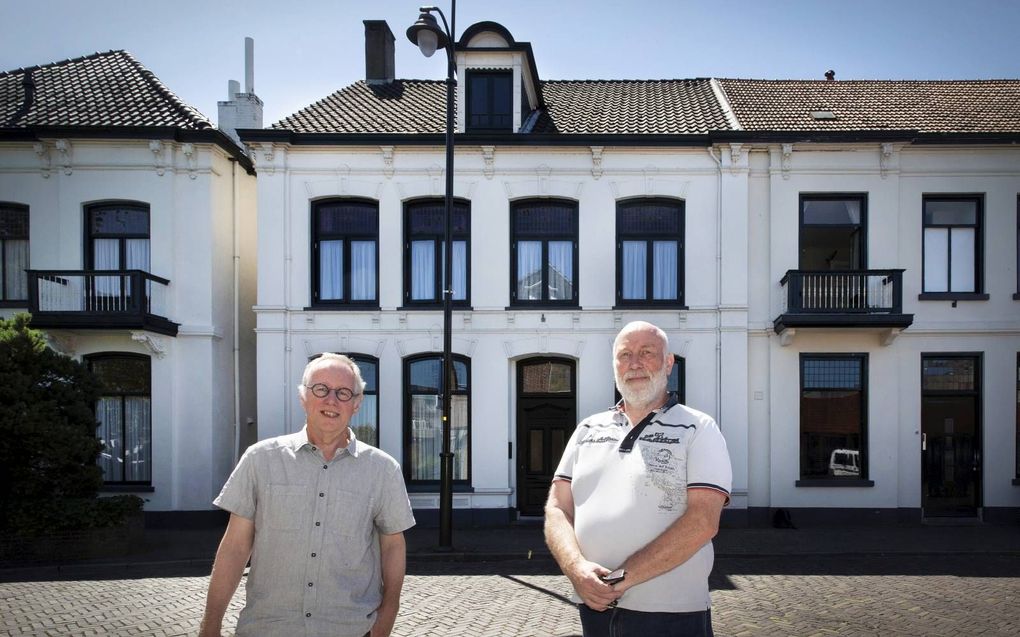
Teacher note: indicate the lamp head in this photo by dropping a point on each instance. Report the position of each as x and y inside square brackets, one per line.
[426, 34]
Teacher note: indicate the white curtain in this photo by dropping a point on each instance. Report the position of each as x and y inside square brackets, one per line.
[137, 439]
[529, 270]
[936, 258]
[108, 413]
[634, 269]
[14, 265]
[459, 436]
[561, 270]
[362, 270]
[459, 270]
[423, 271]
[961, 267]
[664, 274]
[363, 423]
[331, 270]
[138, 259]
[106, 256]
[426, 436]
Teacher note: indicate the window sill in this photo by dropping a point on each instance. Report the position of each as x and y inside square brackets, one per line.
[435, 307]
[325, 307]
[15, 303]
[127, 488]
[434, 488]
[829, 482]
[650, 306]
[952, 296]
[544, 306]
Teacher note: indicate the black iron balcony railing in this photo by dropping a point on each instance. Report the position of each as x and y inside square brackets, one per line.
[843, 298]
[99, 299]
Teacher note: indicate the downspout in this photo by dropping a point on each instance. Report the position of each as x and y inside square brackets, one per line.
[236, 311]
[718, 285]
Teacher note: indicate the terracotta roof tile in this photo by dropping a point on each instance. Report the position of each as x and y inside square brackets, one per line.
[102, 89]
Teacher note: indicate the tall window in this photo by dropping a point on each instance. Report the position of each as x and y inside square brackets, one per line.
[649, 252]
[423, 410]
[118, 237]
[675, 384]
[952, 245]
[490, 101]
[543, 236]
[13, 252]
[833, 416]
[124, 415]
[345, 261]
[425, 266]
[832, 233]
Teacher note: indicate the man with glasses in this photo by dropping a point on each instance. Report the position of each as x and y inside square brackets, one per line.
[636, 501]
[321, 515]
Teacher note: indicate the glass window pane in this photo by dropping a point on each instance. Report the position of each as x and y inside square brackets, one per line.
[423, 271]
[950, 212]
[13, 222]
[832, 373]
[426, 436]
[831, 418]
[137, 257]
[459, 270]
[137, 454]
[118, 220]
[460, 372]
[546, 378]
[961, 267]
[635, 269]
[550, 218]
[561, 270]
[832, 212]
[13, 268]
[127, 375]
[362, 270]
[369, 372]
[347, 218]
[425, 376]
[529, 270]
[673, 383]
[106, 254]
[459, 436]
[331, 270]
[110, 433]
[665, 272]
[364, 421]
[936, 259]
[650, 218]
[953, 374]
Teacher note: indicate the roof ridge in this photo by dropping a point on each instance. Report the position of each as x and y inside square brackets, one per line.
[862, 81]
[631, 80]
[189, 112]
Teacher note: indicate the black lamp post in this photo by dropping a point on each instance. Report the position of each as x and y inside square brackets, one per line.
[427, 36]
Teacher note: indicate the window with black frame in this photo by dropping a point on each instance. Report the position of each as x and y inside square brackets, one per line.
[425, 262]
[13, 252]
[345, 261]
[423, 427]
[833, 416]
[490, 101]
[543, 237]
[952, 247]
[124, 413]
[649, 252]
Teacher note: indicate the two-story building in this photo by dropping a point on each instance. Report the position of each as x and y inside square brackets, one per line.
[835, 264]
[127, 230]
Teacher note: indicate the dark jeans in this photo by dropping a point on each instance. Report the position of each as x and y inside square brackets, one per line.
[621, 622]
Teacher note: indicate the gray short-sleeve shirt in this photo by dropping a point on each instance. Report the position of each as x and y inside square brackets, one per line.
[315, 566]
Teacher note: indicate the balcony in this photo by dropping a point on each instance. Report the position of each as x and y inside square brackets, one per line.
[842, 298]
[99, 299]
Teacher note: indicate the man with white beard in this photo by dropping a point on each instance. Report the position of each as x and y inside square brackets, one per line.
[636, 501]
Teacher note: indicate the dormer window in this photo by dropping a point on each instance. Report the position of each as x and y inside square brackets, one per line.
[490, 101]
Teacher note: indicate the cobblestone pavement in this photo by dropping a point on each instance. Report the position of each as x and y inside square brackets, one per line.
[803, 595]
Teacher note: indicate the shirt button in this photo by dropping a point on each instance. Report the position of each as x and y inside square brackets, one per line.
[318, 524]
[325, 466]
[321, 494]
[309, 583]
[308, 614]
[313, 554]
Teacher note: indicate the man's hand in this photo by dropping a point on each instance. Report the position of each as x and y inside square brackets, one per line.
[586, 577]
[384, 620]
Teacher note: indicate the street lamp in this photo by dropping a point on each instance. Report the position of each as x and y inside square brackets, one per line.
[427, 36]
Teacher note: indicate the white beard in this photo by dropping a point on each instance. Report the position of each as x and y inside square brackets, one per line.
[652, 392]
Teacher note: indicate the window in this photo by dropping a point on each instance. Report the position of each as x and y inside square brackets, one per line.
[118, 237]
[832, 232]
[649, 252]
[543, 237]
[833, 416]
[425, 229]
[13, 252]
[952, 247]
[124, 415]
[1016, 297]
[489, 101]
[423, 409]
[345, 261]
[675, 384]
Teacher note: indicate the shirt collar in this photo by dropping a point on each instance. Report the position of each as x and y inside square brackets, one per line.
[300, 440]
[672, 400]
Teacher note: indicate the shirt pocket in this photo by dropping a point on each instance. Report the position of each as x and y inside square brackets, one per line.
[351, 512]
[285, 507]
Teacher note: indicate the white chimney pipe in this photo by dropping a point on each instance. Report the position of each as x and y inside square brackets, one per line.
[249, 65]
[233, 88]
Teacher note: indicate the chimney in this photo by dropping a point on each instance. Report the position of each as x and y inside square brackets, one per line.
[830, 75]
[379, 67]
[241, 110]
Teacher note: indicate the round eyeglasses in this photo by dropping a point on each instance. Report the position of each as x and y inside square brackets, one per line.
[342, 394]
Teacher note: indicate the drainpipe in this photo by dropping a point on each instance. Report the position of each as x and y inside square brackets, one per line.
[236, 311]
[718, 285]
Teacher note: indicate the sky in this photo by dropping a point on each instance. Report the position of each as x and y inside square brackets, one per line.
[307, 49]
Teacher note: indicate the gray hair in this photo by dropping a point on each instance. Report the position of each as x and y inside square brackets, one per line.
[329, 359]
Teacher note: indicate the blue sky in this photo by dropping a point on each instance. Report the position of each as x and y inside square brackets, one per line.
[306, 49]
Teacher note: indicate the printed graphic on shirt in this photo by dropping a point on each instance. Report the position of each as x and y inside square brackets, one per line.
[666, 468]
[599, 436]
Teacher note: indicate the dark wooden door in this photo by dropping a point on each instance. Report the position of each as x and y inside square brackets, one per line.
[546, 417]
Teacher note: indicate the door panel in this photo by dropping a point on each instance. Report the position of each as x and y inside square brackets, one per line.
[546, 417]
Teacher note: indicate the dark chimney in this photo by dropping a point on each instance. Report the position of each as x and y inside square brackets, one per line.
[378, 52]
[830, 75]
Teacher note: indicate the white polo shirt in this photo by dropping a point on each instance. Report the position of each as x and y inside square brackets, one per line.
[624, 500]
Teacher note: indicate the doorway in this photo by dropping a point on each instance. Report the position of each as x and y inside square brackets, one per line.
[546, 417]
[950, 435]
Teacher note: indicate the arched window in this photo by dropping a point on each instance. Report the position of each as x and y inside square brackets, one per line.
[649, 252]
[543, 252]
[13, 252]
[345, 255]
[423, 430]
[424, 234]
[124, 413]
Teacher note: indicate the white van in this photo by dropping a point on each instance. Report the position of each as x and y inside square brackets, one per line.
[845, 462]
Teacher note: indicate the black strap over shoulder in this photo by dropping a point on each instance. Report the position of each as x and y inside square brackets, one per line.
[627, 444]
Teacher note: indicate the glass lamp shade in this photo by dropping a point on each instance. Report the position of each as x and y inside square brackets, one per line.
[427, 42]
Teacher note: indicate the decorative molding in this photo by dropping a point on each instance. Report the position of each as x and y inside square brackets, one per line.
[427, 188]
[596, 161]
[343, 186]
[885, 159]
[889, 335]
[787, 159]
[269, 154]
[736, 158]
[65, 344]
[63, 147]
[787, 336]
[543, 186]
[685, 347]
[387, 158]
[544, 344]
[159, 160]
[252, 152]
[436, 180]
[42, 151]
[489, 159]
[649, 186]
[155, 344]
[189, 155]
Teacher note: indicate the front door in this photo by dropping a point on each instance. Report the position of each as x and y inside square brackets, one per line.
[950, 435]
[546, 417]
